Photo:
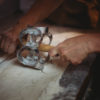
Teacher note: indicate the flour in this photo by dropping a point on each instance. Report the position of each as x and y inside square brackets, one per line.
[24, 83]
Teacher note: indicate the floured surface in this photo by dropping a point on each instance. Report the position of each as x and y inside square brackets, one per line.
[19, 83]
[22, 83]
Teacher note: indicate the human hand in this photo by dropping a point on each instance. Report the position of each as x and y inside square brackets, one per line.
[74, 50]
[9, 40]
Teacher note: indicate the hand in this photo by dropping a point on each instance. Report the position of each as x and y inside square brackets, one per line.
[74, 49]
[9, 40]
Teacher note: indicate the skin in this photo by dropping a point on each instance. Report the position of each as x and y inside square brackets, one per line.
[74, 50]
[1, 1]
[10, 38]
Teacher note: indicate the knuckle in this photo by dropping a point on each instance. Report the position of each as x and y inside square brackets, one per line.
[53, 52]
[80, 62]
[12, 48]
[59, 45]
[75, 62]
[62, 51]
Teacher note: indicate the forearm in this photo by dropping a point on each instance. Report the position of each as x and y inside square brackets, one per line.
[95, 42]
[39, 11]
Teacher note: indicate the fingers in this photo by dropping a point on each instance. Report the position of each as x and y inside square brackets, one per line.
[53, 52]
[71, 55]
[7, 45]
[2, 43]
[75, 61]
[68, 54]
[57, 51]
[12, 48]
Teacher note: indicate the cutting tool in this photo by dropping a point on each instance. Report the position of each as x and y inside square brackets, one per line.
[31, 52]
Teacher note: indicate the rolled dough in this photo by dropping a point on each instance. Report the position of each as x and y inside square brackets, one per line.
[23, 83]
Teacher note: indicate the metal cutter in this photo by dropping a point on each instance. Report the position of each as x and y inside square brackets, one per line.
[31, 40]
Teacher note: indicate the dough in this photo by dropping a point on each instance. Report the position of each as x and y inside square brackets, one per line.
[18, 82]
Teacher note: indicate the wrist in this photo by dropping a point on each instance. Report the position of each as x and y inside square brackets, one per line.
[95, 42]
[18, 28]
[28, 19]
[22, 24]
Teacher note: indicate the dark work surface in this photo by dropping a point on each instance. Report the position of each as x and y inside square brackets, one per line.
[75, 80]
[94, 94]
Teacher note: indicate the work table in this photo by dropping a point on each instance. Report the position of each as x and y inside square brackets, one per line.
[54, 83]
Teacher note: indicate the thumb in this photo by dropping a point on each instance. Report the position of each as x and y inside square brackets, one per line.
[53, 52]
